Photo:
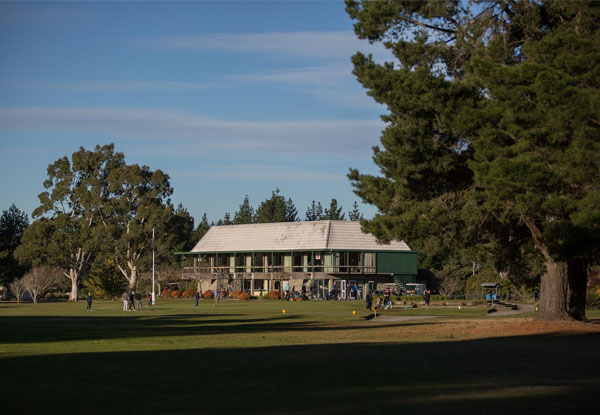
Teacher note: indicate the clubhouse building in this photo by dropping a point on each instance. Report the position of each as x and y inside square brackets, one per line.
[259, 258]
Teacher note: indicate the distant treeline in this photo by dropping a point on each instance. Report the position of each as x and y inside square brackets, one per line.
[100, 219]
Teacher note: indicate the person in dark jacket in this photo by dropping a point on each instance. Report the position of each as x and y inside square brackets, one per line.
[427, 297]
[131, 298]
[88, 299]
[138, 301]
[369, 299]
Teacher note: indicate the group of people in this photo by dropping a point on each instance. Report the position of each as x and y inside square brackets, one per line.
[292, 294]
[129, 297]
[388, 302]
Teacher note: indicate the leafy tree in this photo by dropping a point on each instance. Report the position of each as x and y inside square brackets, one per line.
[334, 212]
[12, 226]
[104, 279]
[178, 237]
[139, 203]
[476, 105]
[245, 214]
[276, 209]
[315, 212]
[355, 215]
[66, 234]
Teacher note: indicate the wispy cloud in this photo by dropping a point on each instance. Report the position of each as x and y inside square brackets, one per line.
[255, 172]
[338, 136]
[105, 85]
[316, 44]
[333, 84]
[314, 75]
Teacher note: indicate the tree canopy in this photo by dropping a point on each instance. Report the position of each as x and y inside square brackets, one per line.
[276, 209]
[491, 150]
[66, 234]
[12, 226]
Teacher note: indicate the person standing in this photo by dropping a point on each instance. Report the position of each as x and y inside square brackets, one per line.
[386, 296]
[88, 299]
[131, 299]
[427, 297]
[125, 298]
[138, 301]
[216, 298]
[196, 298]
[369, 299]
[149, 298]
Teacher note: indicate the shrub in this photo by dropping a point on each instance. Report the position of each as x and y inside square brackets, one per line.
[274, 295]
[187, 293]
[175, 293]
[593, 298]
[438, 298]
[412, 298]
[236, 294]
[208, 294]
[245, 296]
[165, 293]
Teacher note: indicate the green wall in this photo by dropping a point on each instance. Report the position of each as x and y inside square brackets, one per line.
[397, 263]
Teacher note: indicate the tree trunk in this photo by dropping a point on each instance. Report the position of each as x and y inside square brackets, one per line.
[553, 292]
[577, 288]
[133, 279]
[74, 295]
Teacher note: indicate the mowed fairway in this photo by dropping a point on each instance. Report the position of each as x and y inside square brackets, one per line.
[249, 357]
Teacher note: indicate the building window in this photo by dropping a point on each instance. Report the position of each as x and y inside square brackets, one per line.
[355, 262]
[369, 263]
[297, 262]
[318, 258]
[258, 262]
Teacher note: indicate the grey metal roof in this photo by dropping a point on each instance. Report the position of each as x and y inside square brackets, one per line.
[292, 236]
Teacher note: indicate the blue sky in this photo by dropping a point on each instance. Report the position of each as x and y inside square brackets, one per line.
[228, 98]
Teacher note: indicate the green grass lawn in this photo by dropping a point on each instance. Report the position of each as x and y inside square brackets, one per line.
[249, 357]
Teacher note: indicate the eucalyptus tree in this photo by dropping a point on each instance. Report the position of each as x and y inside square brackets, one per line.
[139, 203]
[491, 147]
[66, 233]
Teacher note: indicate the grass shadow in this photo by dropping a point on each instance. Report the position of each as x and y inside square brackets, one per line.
[547, 374]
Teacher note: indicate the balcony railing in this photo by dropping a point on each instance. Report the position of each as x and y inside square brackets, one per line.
[334, 269]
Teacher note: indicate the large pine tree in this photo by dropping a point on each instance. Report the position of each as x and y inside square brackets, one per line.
[491, 108]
